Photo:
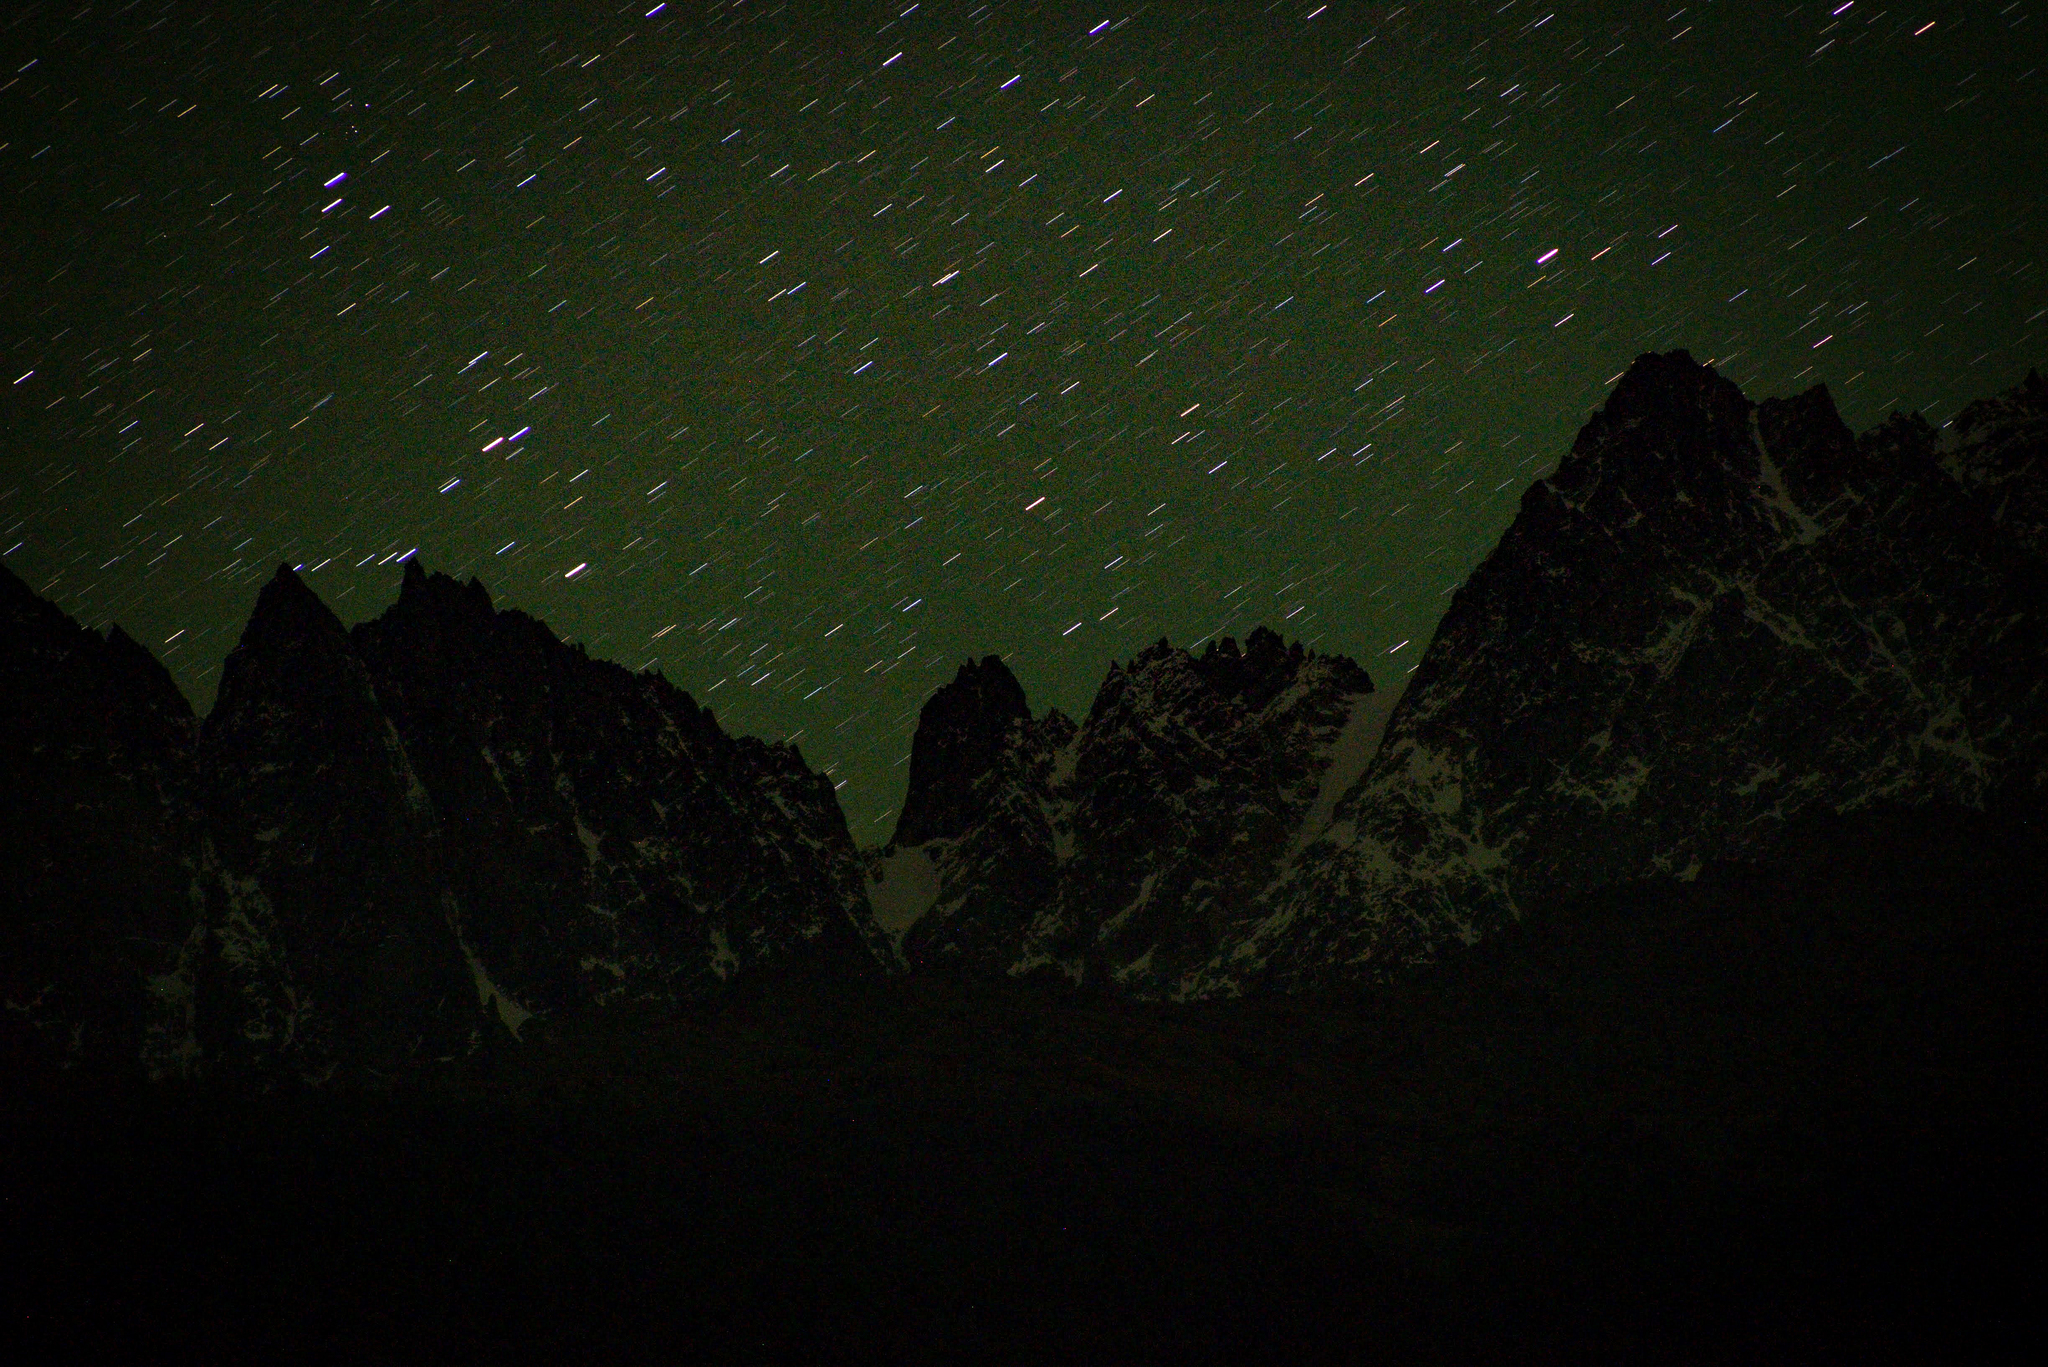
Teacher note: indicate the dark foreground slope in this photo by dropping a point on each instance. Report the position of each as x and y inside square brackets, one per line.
[1776, 1113]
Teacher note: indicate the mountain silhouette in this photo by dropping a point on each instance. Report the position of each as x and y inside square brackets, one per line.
[388, 843]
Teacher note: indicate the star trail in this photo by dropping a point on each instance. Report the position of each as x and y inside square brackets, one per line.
[800, 351]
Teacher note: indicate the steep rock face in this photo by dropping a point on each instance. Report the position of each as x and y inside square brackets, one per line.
[962, 734]
[1192, 778]
[331, 940]
[1997, 452]
[1714, 616]
[604, 837]
[1127, 847]
[99, 830]
[997, 864]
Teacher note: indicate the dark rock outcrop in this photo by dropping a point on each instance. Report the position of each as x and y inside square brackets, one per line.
[332, 940]
[999, 866]
[1997, 451]
[962, 734]
[607, 839]
[99, 830]
[1193, 779]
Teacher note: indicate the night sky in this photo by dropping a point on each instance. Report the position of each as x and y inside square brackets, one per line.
[802, 350]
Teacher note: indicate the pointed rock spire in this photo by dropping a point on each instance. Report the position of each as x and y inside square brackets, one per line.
[1666, 388]
[285, 605]
[960, 734]
[439, 596]
[290, 632]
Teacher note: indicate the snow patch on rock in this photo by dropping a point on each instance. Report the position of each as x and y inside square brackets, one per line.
[1353, 750]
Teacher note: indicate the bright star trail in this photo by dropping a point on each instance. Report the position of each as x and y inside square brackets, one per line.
[799, 351]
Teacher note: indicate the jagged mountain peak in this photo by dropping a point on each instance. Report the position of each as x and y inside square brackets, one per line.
[441, 595]
[1264, 670]
[288, 611]
[433, 605]
[1902, 438]
[991, 680]
[95, 827]
[1998, 448]
[1667, 417]
[1715, 616]
[442, 635]
[293, 646]
[1124, 846]
[284, 586]
[1263, 642]
[1262, 649]
[961, 734]
[442, 821]
[32, 626]
[1668, 382]
[52, 667]
[1673, 424]
[2025, 402]
[1169, 677]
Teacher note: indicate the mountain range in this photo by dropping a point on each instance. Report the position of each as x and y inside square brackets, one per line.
[383, 841]
[388, 843]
